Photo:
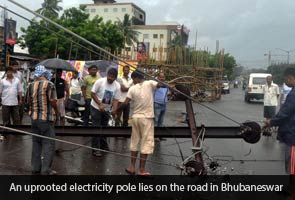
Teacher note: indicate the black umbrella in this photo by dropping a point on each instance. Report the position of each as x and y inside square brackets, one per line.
[56, 63]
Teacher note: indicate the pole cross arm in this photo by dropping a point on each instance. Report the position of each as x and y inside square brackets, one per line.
[167, 132]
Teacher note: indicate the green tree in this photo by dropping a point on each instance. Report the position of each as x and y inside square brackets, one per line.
[45, 44]
[39, 41]
[277, 72]
[229, 65]
[130, 35]
[50, 8]
[177, 41]
[113, 37]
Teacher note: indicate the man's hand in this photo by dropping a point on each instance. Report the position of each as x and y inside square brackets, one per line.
[57, 116]
[101, 108]
[114, 114]
[20, 102]
[266, 123]
[67, 99]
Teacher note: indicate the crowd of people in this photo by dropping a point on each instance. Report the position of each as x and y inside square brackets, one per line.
[47, 96]
[108, 96]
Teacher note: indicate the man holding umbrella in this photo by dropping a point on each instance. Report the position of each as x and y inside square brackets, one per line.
[41, 101]
[62, 87]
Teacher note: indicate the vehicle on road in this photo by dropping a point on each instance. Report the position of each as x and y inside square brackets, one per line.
[225, 86]
[236, 84]
[255, 86]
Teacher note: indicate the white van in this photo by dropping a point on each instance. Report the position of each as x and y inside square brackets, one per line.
[254, 89]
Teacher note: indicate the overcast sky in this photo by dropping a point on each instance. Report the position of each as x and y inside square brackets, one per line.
[247, 29]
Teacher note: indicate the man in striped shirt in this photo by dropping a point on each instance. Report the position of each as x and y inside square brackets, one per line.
[41, 100]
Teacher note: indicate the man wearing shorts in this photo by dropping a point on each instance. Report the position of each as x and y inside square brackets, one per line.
[142, 136]
[271, 94]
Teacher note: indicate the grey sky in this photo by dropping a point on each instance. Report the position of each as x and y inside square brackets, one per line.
[247, 29]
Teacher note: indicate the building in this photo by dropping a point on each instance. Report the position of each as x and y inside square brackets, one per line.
[156, 39]
[110, 10]
[104, 1]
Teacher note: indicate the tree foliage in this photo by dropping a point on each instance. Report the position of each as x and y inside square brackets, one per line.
[130, 35]
[229, 64]
[181, 55]
[277, 72]
[43, 43]
[177, 41]
[50, 8]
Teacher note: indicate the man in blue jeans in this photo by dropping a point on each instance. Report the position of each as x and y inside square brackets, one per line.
[160, 101]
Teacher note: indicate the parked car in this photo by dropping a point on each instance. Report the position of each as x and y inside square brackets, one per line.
[255, 86]
[225, 86]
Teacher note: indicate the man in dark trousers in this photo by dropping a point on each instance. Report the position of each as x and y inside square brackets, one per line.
[41, 101]
[87, 84]
[62, 92]
[125, 82]
[11, 96]
[103, 89]
[285, 120]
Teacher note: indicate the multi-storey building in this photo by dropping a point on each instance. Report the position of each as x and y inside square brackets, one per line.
[110, 10]
[158, 38]
[155, 39]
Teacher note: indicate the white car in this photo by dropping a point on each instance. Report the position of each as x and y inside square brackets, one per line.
[225, 86]
[255, 86]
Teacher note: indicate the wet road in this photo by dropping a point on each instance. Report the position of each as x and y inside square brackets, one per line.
[233, 155]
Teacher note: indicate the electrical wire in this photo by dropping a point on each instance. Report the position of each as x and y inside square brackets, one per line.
[119, 59]
[101, 49]
[82, 145]
[59, 151]
[58, 34]
[174, 143]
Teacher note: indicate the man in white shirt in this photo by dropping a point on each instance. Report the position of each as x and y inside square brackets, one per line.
[75, 87]
[11, 96]
[142, 136]
[125, 82]
[104, 93]
[18, 74]
[271, 94]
